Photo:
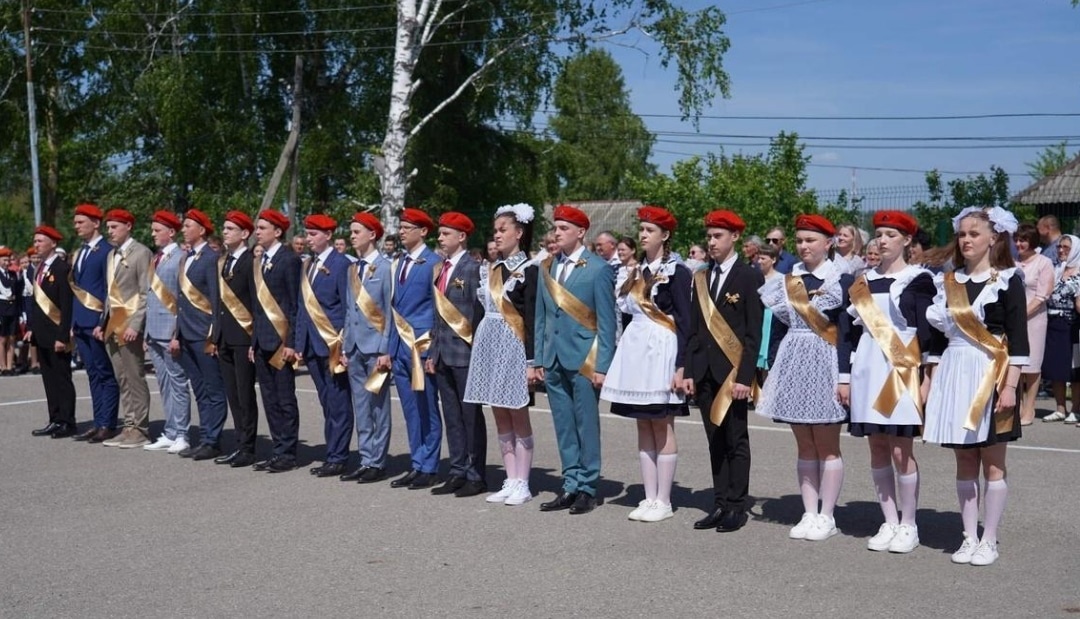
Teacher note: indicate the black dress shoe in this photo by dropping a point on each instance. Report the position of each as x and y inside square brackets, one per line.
[353, 475]
[422, 480]
[63, 430]
[584, 504]
[471, 488]
[86, 436]
[46, 431]
[205, 452]
[102, 435]
[242, 460]
[372, 475]
[711, 520]
[331, 469]
[732, 521]
[315, 470]
[451, 486]
[281, 464]
[404, 480]
[188, 451]
[564, 501]
[229, 458]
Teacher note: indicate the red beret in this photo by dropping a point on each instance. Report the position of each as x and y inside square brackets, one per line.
[120, 215]
[89, 210]
[457, 221]
[167, 219]
[727, 220]
[50, 232]
[240, 219]
[318, 221]
[658, 216]
[276, 218]
[30, 251]
[815, 223]
[5, 252]
[370, 222]
[896, 219]
[200, 218]
[571, 214]
[417, 218]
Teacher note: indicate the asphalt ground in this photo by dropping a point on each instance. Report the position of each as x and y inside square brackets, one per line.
[91, 531]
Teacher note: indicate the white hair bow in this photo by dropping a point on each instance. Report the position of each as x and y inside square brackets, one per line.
[1000, 219]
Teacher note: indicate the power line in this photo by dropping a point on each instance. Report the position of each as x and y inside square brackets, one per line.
[847, 118]
[342, 9]
[111, 48]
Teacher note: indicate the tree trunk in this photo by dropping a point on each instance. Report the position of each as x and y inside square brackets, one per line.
[393, 179]
[51, 202]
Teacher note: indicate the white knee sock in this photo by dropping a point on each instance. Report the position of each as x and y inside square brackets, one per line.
[523, 455]
[885, 484]
[665, 476]
[967, 491]
[996, 493]
[832, 480]
[506, 446]
[809, 472]
[909, 497]
[648, 473]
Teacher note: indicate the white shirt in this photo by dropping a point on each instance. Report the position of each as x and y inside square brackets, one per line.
[319, 261]
[191, 257]
[268, 254]
[414, 255]
[568, 267]
[82, 255]
[725, 268]
[368, 259]
[119, 254]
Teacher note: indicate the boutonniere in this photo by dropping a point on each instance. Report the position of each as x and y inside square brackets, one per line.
[370, 270]
[517, 275]
[420, 261]
[580, 263]
[731, 298]
[324, 270]
[993, 276]
[458, 283]
[96, 247]
[50, 278]
[267, 267]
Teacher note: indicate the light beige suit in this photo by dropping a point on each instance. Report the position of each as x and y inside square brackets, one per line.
[129, 281]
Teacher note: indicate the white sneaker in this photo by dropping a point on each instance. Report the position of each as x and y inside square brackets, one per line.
[642, 507]
[521, 494]
[1054, 416]
[963, 554]
[884, 537]
[799, 531]
[985, 553]
[508, 487]
[657, 512]
[1071, 418]
[161, 444]
[906, 540]
[178, 445]
[824, 528]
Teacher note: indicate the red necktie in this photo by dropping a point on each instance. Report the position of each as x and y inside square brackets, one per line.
[445, 275]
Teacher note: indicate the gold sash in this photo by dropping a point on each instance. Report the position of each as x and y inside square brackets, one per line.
[905, 360]
[637, 292]
[450, 314]
[88, 300]
[506, 308]
[417, 345]
[233, 302]
[728, 342]
[193, 294]
[274, 314]
[964, 316]
[371, 312]
[157, 286]
[47, 306]
[329, 335]
[120, 309]
[800, 302]
[580, 312]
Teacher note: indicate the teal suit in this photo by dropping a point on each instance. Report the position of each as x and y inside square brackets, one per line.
[562, 345]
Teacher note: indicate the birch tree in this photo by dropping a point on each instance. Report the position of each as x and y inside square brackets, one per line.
[526, 39]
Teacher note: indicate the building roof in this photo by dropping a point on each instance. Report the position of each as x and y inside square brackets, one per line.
[1060, 187]
[619, 216]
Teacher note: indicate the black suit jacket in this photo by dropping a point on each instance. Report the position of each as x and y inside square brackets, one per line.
[461, 289]
[242, 283]
[45, 332]
[744, 316]
[283, 280]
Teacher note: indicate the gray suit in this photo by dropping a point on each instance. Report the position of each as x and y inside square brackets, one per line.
[160, 329]
[130, 281]
[463, 422]
[363, 345]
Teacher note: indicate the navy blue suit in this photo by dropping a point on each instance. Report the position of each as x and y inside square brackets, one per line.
[329, 281]
[89, 273]
[193, 330]
[414, 301]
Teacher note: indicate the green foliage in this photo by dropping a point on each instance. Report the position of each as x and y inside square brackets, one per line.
[1052, 159]
[948, 199]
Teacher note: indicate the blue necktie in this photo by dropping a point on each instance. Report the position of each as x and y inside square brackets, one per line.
[360, 269]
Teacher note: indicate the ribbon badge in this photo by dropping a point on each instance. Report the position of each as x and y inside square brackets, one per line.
[580, 263]
[731, 298]
[458, 283]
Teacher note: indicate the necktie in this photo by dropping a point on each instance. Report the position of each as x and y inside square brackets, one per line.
[714, 288]
[157, 258]
[362, 266]
[445, 275]
[404, 270]
[227, 272]
[564, 272]
[82, 255]
[265, 261]
[646, 273]
[314, 270]
[191, 253]
[40, 274]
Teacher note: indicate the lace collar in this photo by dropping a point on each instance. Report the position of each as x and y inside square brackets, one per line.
[515, 261]
[824, 271]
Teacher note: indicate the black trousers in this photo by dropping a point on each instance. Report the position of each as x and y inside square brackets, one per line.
[729, 449]
[239, 376]
[278, 389]
[463, 424]
[59, 390]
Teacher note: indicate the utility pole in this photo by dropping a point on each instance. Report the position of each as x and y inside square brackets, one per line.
[291, 146]
[31, 109]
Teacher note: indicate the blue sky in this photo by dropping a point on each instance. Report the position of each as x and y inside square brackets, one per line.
[875, 58]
